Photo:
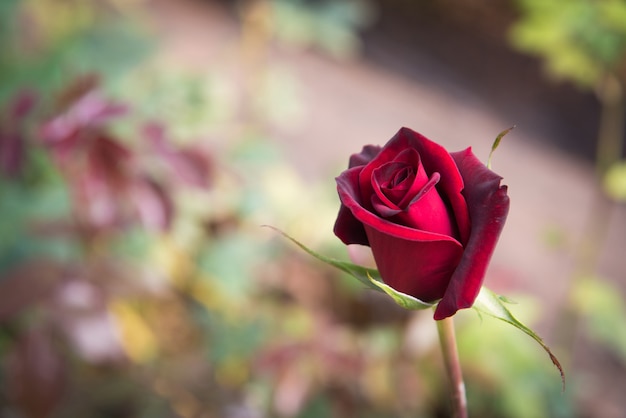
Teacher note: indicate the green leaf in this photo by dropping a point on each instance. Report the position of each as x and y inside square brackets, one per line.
[493, 305]
[496, 143]
[402, 299]
[365, 275]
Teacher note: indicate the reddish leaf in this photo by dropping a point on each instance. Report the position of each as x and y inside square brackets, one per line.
[191, 165]
[154, 206]
[88, 112]
[11, 153]
[27, 285]
[76, 89]
[23, 104]
[36, 374]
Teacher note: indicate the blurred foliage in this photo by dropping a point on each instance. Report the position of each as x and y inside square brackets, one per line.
[44, 42]
[176, 303]
[584, 41]
[517, 384]
[604, 312]
[615, 182]
[331, 26]
[579, 40]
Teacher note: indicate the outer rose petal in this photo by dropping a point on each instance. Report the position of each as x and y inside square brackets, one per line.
[365, 156]
[488, 206]
[418, 268]
[347, 227]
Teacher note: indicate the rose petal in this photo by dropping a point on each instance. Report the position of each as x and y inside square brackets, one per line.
[420, 181]
[381, 178]
[348, 228]
[428, 212]
[426, 189]
[398, 194]
[353, 216]
[488, 206]
[415, 267]
[365, 156]
[434, 158]
[383, 209]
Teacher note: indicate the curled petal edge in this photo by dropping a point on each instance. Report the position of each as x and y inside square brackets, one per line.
[488, 205]
[349, 226]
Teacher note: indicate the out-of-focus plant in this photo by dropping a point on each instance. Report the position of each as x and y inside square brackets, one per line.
[580, 40]
[133, 272]
[515, 384]
[92, 192]
[174, 317]
[129, 258]
[584, 42]
[329, 26]
[615, 182]
[45, 43]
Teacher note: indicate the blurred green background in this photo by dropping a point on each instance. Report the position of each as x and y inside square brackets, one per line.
[144, 143]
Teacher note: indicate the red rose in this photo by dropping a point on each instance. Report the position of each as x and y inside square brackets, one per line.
[431, 218]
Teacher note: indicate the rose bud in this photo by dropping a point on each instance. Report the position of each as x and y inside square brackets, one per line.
[432, 218]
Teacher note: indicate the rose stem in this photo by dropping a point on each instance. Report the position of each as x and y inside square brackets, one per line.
[453, 365]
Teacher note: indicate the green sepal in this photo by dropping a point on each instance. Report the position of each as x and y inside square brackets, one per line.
[491, 304]
[370, 277]
[402, 299]
[365, 275]
[496, 143]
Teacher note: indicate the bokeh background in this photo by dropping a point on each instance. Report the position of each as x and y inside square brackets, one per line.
[144, 143]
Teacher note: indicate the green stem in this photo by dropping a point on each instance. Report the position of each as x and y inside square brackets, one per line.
[453, 366]
[610, 94]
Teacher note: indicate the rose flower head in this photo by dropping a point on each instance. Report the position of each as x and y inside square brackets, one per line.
[432, 218]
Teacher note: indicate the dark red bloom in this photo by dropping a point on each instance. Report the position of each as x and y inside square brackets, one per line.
[431, 218]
